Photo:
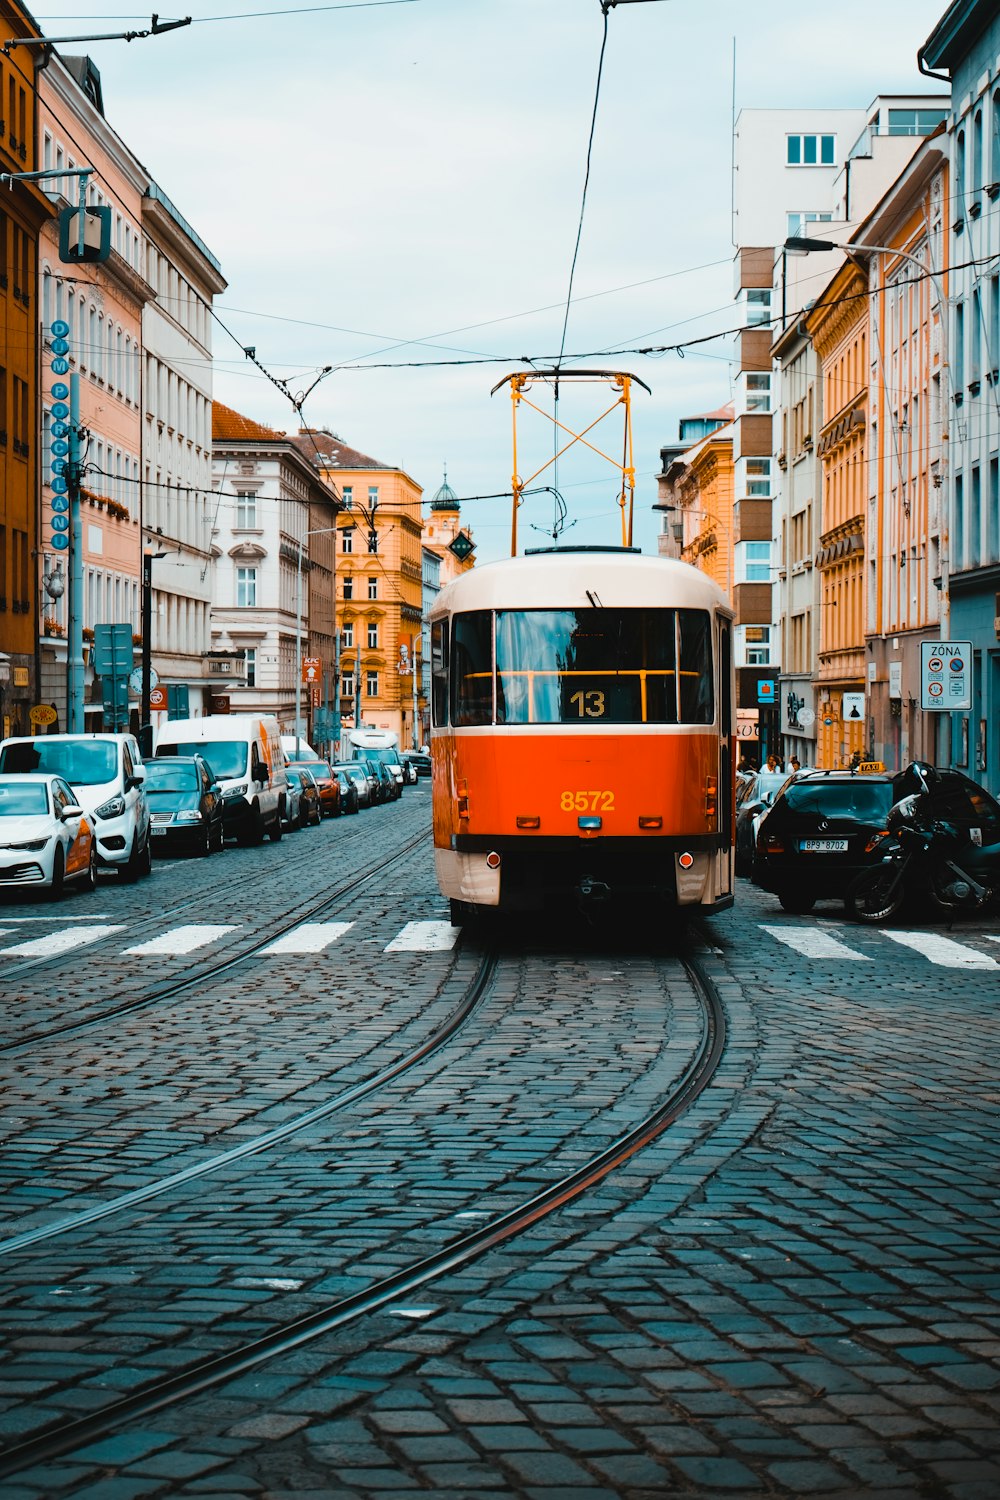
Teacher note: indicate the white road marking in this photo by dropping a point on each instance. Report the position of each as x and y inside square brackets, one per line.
[424, 937]
[943, 951]
[814, 943]
[180, 940]
[55, 943]
[62, 920]
[311, 937]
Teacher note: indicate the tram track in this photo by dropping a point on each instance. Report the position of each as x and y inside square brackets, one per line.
[63, 1437]
[348, 889]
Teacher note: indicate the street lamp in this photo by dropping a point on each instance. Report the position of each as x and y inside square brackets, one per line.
[145, 725]
[802, 245]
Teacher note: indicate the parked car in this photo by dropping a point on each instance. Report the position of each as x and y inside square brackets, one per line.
[826, 827]
[303, 790]
[107, 776]
[185, 805]
[244, 751]
[349, 800]
[364, 780]
[753, 798]
[391, 787]
[45, 836]
[418, 761]
[297, 749]
[327, 784]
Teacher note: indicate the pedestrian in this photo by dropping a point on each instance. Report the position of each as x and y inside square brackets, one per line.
[795, 764]
[772, 763]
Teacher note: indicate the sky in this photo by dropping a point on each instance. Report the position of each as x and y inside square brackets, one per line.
[399, 183]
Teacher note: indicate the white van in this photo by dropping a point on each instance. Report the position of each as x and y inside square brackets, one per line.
[107, 775]
[378, 744]
[297, 748]
[244, 752]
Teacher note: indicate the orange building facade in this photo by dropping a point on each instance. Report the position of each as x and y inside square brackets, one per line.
[839, 328]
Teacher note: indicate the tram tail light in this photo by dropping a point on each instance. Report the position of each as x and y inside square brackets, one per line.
[463, 798]
[650, 822]
[711, 799]
[525, 822]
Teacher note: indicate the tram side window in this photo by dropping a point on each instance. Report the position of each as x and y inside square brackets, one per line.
[439, 672]
[696, 680]
[472, 668]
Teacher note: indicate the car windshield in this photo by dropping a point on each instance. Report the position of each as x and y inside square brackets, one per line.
[162, 776]
[321, 768]
[80, 762]
[859, 799]
[23, 801]
[228, 758]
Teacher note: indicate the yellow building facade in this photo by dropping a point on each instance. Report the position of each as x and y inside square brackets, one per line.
[379, 583]
[839, 329]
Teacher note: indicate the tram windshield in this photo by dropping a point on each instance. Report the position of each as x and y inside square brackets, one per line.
[569, 666]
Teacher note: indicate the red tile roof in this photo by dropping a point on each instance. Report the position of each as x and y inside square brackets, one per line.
[325, 450]
[229, 426]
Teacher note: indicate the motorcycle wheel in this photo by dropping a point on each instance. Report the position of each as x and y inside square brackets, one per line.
[877, 895]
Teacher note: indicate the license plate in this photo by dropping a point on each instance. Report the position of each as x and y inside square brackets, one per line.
[823, 846]
[154, 829]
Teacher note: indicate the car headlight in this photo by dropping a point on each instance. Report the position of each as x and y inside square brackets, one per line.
[188, 817]
[234, 791]
[33, 845]
[113, 809]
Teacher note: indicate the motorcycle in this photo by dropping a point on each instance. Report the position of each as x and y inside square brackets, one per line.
[930, 859]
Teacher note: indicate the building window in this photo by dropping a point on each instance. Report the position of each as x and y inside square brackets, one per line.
[753, 562]
[756, 391]
[753, 645]
[347, 539]
[372, 496]
[373, 588]
[796, 222]
[246, 588]
[250, 665]
[915, 121]
[347, 684]
[371, 684]
[753, 478]
[246, 508]
[372, 634]
[810, 150]
[347, 635]
[347, 495]
[757, 302]
[348, 586]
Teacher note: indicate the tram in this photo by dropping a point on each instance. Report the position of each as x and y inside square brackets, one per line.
[583, 734]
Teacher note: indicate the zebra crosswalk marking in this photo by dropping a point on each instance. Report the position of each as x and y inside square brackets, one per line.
[943, 950]
[311, 937]
[423, 937]
[56, 943]
[813, 943]
[180, 940]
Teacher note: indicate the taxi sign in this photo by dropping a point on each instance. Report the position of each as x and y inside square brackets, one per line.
[946, 675]
[870, 767]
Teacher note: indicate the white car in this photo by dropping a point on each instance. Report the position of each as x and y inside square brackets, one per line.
[107, 776]
[45, 837]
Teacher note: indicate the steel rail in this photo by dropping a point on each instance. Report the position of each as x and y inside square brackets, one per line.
[211, 971]
[56, 1441]
[466, 1008]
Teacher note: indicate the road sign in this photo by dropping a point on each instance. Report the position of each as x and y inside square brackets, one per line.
[312, 668]
[113, 655]
[946, 675]
[158, 698]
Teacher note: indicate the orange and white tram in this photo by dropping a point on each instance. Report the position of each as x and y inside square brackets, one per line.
[583, 733]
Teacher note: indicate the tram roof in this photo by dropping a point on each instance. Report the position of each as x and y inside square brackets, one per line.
[578, 577]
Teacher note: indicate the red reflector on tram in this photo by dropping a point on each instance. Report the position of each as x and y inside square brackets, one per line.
[493, 860]
[685, 861]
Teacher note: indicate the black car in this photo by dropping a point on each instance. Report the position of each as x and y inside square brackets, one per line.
[827, 826]
[308, 806]
[349, 799]
[753, 798]
[421, 763]
[391, 789]
[185, 805]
